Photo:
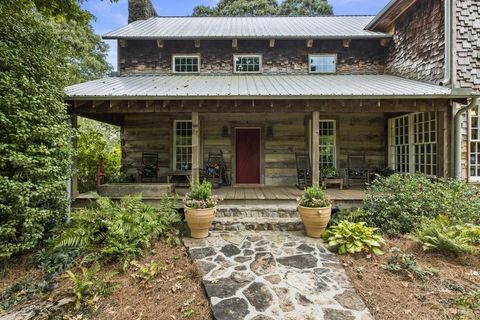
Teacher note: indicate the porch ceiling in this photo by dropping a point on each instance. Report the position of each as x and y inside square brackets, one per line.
[232, 87]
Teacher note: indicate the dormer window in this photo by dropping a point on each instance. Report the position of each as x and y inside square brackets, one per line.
[248, 63]
[322, 63]
[186, 63]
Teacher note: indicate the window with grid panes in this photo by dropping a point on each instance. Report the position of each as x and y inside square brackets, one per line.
[322, 63]
[413, 143]
[475, 144]
[327, 144]
[183, 145]
[186, 64]
[248, 63]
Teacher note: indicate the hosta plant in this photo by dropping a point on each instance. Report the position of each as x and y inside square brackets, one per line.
[351, 237]
[405, 263]
[201, 196]
[314, 197]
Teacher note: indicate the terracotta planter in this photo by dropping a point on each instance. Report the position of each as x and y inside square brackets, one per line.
[315, 219]
[199, 221]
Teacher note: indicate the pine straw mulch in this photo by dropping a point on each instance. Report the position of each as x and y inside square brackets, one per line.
[394, 296]
[175, 294]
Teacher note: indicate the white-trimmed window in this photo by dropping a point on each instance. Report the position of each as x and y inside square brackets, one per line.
[186, 63]
[322, 63]
[247, 63]
[413, 143]
[474, 145]
[182, 144]
[327, 144]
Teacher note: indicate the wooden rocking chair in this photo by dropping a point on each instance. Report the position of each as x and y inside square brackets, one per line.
[216, 169]
[149, 170]
[304, 171]
[357, 171]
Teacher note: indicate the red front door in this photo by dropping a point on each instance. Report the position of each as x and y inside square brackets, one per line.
[247, 142]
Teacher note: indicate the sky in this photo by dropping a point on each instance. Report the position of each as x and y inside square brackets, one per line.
[110, 16]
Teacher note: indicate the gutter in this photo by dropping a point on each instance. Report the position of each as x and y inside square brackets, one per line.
[448, 44]
[458, 137]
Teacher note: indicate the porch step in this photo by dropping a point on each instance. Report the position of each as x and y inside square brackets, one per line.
[258, 211]
[256, 224]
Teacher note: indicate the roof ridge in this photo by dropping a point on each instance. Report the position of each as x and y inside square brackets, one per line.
[270, 16]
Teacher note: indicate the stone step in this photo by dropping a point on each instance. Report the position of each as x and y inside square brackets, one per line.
[257, 224]
[257, 211]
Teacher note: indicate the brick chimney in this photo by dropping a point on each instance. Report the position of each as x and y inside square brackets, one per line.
[140, 10]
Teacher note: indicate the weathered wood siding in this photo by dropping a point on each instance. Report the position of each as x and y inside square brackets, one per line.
[287, 57]
[356, 132]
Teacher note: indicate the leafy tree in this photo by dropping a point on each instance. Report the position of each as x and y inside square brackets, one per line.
[42, 50]
[97, 140]
[265, 8]
[239, 8]
[305, 8]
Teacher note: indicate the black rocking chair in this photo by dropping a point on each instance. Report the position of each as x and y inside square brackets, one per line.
[304, 171]
[149, 170]
[357, 171]
[216, 170]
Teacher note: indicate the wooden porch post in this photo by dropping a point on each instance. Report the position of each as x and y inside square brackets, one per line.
[195, 147]
[315, 150]
[74, 178]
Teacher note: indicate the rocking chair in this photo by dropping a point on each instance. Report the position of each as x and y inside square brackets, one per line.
[216, 170]
[357, 171]
[149, 169]
[304, 171]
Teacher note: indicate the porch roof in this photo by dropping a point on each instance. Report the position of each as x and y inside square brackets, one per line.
[172, 87]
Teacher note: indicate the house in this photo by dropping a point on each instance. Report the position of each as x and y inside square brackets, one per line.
[263, 89]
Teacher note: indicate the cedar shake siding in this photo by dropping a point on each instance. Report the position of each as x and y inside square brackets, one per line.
[417, 49]
[286, 57]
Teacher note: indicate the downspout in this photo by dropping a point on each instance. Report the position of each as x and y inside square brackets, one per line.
[458, 137]
[448, 44]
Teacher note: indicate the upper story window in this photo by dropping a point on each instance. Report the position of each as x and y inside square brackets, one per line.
[251, 63]
[186, 63]
[322, 63]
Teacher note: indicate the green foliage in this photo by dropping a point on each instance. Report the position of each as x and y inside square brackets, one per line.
[264, 8]
[55, 260]
[23, 290]
[305, 8]
[467, 305]
[40, 53]
[348, 215]
[350, 237]
[148, 271]
[397, 203]
[314, 197]
[441, 235]
[201, 196]
[91, 283]
[329, 172]
[404, 263]
[97, 141]
[117, 230]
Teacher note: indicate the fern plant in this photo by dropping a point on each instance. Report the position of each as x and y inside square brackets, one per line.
[351, 237]
[91, 283]
[118, 230]
[441, 234]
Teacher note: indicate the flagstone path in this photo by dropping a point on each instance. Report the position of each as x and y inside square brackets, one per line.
[274, 275]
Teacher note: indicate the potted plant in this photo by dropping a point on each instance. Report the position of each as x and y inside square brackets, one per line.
[200, 205]
[315, 210]
[330, 175]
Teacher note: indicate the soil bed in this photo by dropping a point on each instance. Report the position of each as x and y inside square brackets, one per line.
[395, 296]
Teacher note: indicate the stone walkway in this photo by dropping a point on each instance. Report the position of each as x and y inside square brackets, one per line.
[274, 275]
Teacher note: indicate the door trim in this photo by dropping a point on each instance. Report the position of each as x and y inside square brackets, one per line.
[234, 153]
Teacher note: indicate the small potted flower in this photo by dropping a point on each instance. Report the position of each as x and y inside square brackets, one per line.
[200, 205]
[330, 175]
[315, 210]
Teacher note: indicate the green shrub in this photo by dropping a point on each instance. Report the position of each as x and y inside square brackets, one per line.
[118, 230]
[349, 215]
[24, 289]
[350, 237]
[55, 260]
[396, 204]
[314, 197]
[467, 305]
[148, 271]
[442, 235]
[201, 196]
[404, 263]
[91, 283]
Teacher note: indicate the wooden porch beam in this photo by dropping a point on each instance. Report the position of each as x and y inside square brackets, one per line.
[315, 149]
[195, 147]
